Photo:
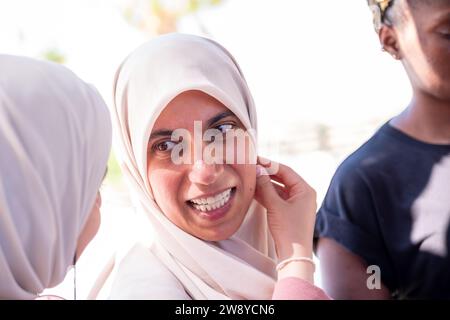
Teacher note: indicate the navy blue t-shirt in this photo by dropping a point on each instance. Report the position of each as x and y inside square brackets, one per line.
[389, 203]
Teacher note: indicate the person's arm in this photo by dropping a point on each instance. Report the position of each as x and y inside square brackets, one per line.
[291, 211]
[344, 274]
[294, 288]
[349, 235]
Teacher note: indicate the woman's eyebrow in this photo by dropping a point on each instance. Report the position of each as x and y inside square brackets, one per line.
[220, 116]
[168, 133]
[160, 133]
[440, 20]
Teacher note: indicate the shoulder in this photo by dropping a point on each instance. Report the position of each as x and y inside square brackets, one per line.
[351, 191]
[377, 152]
[141, 275]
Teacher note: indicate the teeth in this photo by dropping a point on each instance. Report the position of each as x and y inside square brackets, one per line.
[212, 200]
[212, 203]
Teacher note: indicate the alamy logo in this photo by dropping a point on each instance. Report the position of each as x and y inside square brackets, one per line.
[374, 280]
[232, 147]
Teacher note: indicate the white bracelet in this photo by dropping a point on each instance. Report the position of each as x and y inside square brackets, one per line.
[283, 263]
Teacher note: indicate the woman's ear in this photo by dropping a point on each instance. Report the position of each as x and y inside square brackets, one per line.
[389, 41]
[98, 200]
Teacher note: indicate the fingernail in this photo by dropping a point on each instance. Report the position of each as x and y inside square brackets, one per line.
[263, 160]
[261, 171]
[198, 164]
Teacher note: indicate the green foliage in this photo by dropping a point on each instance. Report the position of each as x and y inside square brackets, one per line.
[114, 175]
[54, 55]
[161, 16]
[195, 5]
[156, 5]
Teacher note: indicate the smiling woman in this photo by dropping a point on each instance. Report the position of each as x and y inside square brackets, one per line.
[211, 213]
[208, 201]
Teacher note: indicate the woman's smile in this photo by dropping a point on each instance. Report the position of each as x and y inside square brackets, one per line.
[213, 206]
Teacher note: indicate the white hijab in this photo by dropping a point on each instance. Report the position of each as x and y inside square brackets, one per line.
[55, 138]
[241, 267]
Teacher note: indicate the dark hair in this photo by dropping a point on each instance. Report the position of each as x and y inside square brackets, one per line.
[389, 16]
[380, 10]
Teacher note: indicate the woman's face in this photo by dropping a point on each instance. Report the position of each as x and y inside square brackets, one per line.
[207, 199]
[424, 39]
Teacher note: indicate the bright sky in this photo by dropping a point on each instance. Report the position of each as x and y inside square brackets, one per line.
[312, 60]
[306, 62]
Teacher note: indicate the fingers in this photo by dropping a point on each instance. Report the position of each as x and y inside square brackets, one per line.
[281, 190]
[283, 185]
[265, 194]
[284, 175]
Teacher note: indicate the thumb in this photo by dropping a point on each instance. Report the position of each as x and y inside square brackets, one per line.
[265, 192]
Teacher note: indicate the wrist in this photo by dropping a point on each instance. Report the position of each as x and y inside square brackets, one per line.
[298, 269]
[294, 249]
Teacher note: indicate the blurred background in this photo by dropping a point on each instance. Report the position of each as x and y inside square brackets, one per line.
[321, 84]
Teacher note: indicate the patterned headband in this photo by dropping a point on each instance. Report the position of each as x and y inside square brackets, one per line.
[379, 8]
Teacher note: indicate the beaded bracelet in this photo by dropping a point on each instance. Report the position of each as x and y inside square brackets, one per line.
[283, 263]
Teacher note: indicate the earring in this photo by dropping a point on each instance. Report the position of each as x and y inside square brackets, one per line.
[75, 277]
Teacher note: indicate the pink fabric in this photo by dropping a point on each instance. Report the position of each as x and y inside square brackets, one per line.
[297, 289]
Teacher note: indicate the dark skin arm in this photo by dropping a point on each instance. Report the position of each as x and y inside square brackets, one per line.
[344, 274]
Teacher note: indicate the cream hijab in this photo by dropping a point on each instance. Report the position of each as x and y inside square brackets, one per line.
[55, 138]
[241, 267]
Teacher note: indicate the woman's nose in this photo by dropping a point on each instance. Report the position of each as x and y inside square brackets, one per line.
[205, 174]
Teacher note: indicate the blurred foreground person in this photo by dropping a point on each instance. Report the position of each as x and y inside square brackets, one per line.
[55, 138]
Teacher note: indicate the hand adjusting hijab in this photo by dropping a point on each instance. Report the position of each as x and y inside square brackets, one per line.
[241, 267]
[55, 137]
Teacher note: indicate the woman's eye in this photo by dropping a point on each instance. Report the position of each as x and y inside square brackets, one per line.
[224, 128]
[445, 33]
[164, 146]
